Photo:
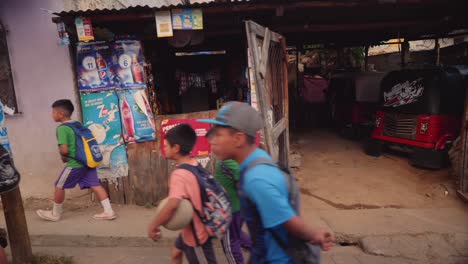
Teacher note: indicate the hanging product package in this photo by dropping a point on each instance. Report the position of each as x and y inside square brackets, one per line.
[128, 64]
[101, 114]
[94, 66]
[137, 116]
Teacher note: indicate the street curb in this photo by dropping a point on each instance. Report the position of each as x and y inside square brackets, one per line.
[100, 241]
[97, 241]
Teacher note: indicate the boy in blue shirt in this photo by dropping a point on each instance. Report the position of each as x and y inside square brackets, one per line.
[263, 191]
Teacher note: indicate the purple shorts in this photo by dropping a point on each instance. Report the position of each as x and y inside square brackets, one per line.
[70, 177]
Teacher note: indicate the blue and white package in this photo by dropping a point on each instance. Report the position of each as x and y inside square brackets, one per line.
[94, 66]
[3, 131]
[128, 64]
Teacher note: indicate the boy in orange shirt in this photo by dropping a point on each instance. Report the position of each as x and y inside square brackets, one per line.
[183, 184]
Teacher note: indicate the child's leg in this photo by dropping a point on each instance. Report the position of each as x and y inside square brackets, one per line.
[91, 180]
[67, 179]
[177, 252]
[232, 241]
[108, 213]
[198, 255]
[59, 195]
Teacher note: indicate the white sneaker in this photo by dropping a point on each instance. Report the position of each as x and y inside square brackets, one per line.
[105, 216]
[48, 215]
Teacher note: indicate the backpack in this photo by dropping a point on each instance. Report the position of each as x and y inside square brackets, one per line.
[217, 211]
[88, 152]
[9, 176]
[298, 250]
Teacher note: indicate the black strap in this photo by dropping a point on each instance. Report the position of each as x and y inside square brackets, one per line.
[194, 231]
[278, 239]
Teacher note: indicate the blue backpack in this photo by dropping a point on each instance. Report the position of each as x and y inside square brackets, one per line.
[88, 152]
[217, 211]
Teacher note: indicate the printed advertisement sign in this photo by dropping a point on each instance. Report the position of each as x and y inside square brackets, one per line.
[128, 64]
[84, 29]
[94, 66]
[202, 147]
[115, 162]
[101, 114]
[187, 19]
[163, 24]
[137, 116]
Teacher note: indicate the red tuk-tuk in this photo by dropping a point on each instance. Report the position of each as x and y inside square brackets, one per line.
[353, 98]
[420, 113]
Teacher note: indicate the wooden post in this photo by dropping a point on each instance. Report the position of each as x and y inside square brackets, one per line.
[366, 59]
[17, 227]
[463, 180]
[437, 49]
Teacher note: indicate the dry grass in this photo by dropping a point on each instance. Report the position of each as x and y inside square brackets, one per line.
[48, 259]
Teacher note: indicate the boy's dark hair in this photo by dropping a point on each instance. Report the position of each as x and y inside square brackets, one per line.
[184, 136]
[65, 105]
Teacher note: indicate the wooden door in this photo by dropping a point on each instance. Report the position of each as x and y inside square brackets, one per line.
[267, 51]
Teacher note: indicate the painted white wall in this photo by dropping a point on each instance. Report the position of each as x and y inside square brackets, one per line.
[42, 73]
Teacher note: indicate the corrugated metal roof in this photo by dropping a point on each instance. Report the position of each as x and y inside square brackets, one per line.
[140, 5]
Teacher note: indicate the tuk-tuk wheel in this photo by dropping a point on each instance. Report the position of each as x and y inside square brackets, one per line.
[373, 147]
[430, 159]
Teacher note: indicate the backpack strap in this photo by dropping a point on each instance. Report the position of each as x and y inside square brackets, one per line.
[73, 127]
[195, 170]
[266, 161]
[288, 179]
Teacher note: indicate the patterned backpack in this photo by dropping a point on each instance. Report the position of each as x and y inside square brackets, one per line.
[217, 211]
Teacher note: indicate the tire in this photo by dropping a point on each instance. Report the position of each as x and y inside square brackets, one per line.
[373, 148]
[430, 159]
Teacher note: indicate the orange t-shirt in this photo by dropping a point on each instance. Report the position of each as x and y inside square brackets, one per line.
[184, 185]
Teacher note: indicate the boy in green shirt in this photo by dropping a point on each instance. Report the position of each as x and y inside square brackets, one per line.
[74, 172]
[227, 174]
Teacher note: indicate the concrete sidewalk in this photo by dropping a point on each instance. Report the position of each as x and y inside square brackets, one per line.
[374, 235]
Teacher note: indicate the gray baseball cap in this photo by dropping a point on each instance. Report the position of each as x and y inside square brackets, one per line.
[240, 116]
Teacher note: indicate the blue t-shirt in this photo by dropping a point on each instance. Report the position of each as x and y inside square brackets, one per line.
[266, 187]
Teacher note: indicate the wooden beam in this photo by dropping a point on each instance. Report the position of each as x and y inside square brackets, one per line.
[279, 128]
[285, 98]
[265, 51]
[17, 226]
[463, 181]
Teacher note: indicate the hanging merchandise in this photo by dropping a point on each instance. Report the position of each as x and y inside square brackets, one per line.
[163, 24]
[64, 39]
[101, 114]
[94, 66]
[187, 19]
[197, 19]
[252, 84]
[137, 117]
[128, 64]
[3, 130]
[151, 89]
[202, 147]
[84, 29]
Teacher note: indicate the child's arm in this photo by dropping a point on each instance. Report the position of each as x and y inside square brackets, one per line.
[63, 148]
[162, 218]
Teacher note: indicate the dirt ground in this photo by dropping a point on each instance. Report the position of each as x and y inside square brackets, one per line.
[336, 173]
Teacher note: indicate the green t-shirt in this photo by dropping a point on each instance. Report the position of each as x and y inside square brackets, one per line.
[229, 182]
[66, 136]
